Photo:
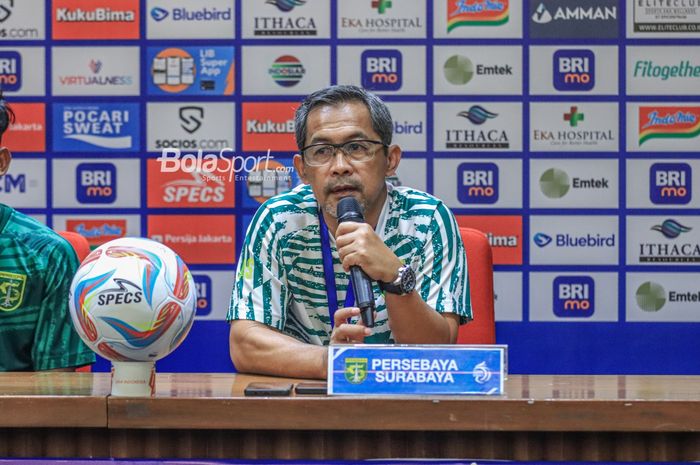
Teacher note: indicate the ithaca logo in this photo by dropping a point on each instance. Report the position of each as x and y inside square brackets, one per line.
[96, 183]
[191, 118]
[543, 16]
[477, 183]
[668, 122]
[6, 7]
[99, 126]
[284, 26]
[287, 71]
[10, 71]
[670, 251]
[574, 296]
[381, 70]
[159, 14]
[476, 139]
[476, 13]
[574, 70]
[286, 5]
[541, 239]
[670, 183]
[202, 284]
[126, 292]
[16, 183]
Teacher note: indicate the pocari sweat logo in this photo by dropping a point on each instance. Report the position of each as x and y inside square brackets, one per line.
[10, 71]
[381, 70]
[574, 296]
[670, 183]
[96, 127]
[574, 70]
[96, 183]
[477, 183]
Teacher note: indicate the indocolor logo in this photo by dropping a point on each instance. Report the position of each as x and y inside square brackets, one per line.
[574, 296]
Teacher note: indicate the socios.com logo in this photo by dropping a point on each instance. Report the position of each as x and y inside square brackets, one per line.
[287, 71]
[477, 183]
[670, 183]
[381, 70]
[458, 70]
[96, 183]
[202, 284]
[574, 296]
[574, 70]
[554, 183]
[541, 239]
[6, 10]
[650, 296]
[10, 71]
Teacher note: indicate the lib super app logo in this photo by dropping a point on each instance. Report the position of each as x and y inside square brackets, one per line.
[96, 183]
[10, 71]
[191, 71]
[381, 70]
[670, 183]
[477, 183]
[574, 70]
[574, 296]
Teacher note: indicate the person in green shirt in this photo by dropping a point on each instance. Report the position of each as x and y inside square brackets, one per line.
[36, 269]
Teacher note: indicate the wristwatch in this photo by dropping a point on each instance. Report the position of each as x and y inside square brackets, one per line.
[404, 283]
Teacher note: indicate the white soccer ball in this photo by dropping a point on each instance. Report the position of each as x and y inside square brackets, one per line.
[133, 299]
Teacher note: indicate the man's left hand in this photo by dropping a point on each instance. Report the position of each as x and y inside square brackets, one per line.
[358, 244]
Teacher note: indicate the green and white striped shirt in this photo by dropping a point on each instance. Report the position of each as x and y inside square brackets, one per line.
[280, 280]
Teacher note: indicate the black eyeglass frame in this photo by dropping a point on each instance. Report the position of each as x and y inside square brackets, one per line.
[340, 147]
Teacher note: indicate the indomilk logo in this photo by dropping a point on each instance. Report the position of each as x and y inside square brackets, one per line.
[574, 296]
[476, 13]
[574, 70]
[477, 183]
[670, 183]
[477, 138]
[668, 122]
[96, 182]
[670, 250]
[381, 70]
[10, 71]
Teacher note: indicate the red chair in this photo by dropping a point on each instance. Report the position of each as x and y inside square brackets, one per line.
[482, 329]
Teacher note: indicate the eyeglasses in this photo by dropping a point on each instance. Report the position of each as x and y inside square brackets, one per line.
[361, 150]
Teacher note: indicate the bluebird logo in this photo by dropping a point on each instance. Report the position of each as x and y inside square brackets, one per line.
[574, 296]
[96, 183]
[381, 70]
[574, 70]
[202, 284]
[159, 14]
[10, 71]
[541, 239]
[477, 183]
[670, 183]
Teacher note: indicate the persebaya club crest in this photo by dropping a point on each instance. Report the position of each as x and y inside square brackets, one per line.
[355, 370]
[11, 290]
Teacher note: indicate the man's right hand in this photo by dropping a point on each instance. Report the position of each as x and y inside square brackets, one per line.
[348, 333]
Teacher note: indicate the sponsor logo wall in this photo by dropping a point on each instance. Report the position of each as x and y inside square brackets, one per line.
[567, 131]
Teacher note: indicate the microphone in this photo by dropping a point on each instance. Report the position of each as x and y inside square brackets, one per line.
[349, 210]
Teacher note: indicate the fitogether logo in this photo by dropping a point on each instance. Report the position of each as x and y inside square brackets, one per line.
[574, 296]
[287, 71]
[382, 70]
[668, 122]
[650, 296]
[477, 183]
[671, 228]
[554, 183]
[574, 70]
[458, 70]
[467, 13]
[670, 183]
[647, 69]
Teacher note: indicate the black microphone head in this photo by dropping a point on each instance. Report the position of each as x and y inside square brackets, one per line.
[349, 210]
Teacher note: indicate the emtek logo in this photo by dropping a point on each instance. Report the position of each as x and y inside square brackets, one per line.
[381, 70]
[670, 183]
[10, 71]
[477, 183]
[574, 70]
[202, 284]
[96, 183]
[650, 296]
[574, 296]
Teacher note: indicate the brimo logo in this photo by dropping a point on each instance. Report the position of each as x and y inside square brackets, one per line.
[214, 165]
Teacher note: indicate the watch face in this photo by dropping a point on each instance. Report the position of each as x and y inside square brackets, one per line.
[408, 280]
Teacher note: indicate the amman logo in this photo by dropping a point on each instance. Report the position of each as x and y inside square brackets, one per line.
[11, 290]
[355, 370]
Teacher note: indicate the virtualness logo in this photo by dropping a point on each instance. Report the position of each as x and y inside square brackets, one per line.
[286, 5]
[541, 239]
[554, 183]
[159, 14]
[671, 228]
[650, 296]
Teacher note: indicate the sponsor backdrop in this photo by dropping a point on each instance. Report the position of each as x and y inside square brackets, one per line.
[566, 130]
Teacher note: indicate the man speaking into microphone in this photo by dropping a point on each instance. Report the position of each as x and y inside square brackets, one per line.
[293, 293]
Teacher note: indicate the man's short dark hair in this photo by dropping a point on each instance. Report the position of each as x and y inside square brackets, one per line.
[335, 95]
[7, 116]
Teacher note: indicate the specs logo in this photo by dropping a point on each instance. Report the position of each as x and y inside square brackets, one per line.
[191, 118]
[10, 71]
[541, 239]
[574, 296]
[96, 183]
[477, 183]
[381, 70]
[670, 183]
[574, 70]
